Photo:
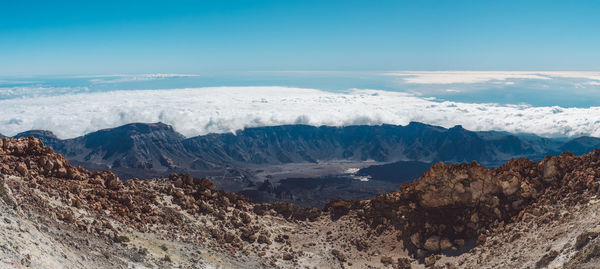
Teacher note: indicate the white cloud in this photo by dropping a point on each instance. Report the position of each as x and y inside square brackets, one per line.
[24, 92]
[594, 83]
[225, 109]
[453, 77]
[130, 78]
[469, 77]
[574, 74]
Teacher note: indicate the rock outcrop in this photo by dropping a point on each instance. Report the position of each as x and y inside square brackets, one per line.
[451, 205]
[463, 209]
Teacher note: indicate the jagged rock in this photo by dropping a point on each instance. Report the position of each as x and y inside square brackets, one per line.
[360, 244]
[287, 256]
[228, 237]
[263, 239]
[546, 259]
[432, 244]
[339, 207]
[550, 171]
[245, 218]
[430, 260]
[584, 237]
[445, 244]
[460, 200]
[114, 183]
[66, 217]
[121, 239]
[167, 258]
[403, 263]
[511, 186]
[204, 183]
[386, 260]
[448, 206]
[415, 239]
[289, 211]
[481, 238]
[281, 238]
[338, 255]
[22, 169]
[248, 235]
[589, 253]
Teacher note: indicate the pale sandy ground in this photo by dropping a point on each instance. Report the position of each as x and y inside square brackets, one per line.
[523, 244]
[306, 170]
[37, 240]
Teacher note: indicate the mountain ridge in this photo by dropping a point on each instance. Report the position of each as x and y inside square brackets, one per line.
[157, 146]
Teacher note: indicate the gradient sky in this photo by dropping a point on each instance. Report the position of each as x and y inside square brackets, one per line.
[104, 37]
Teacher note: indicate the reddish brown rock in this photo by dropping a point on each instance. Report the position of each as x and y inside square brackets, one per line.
[448, 206]
[432, 244]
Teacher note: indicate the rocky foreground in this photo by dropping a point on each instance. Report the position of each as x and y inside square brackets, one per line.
[523, 214]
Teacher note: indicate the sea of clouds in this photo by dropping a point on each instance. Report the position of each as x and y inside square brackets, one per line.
[197, 111]
[470, 77]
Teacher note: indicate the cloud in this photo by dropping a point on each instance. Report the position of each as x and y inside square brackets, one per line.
[470, 77]
[36, 91]
[574, 74]
[130, 78]
[594, 83]
[226, 109]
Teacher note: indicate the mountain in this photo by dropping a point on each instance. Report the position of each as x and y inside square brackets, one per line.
[45, 136]
[142, 146]
[383, 143]
[523, 214]
[235, 161]
[581, 145]
[137, 146]
[158, 147]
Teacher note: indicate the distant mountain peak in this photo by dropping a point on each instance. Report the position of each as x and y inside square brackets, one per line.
[143, 128]
[37, 133]
[416, 123]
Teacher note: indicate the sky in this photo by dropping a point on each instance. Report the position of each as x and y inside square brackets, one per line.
[108, 37]
[74, 67]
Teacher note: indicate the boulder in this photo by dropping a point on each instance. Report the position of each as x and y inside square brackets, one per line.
[445, 244]
[432, 244]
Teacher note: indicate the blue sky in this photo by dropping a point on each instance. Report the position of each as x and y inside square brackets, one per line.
[105, 37]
